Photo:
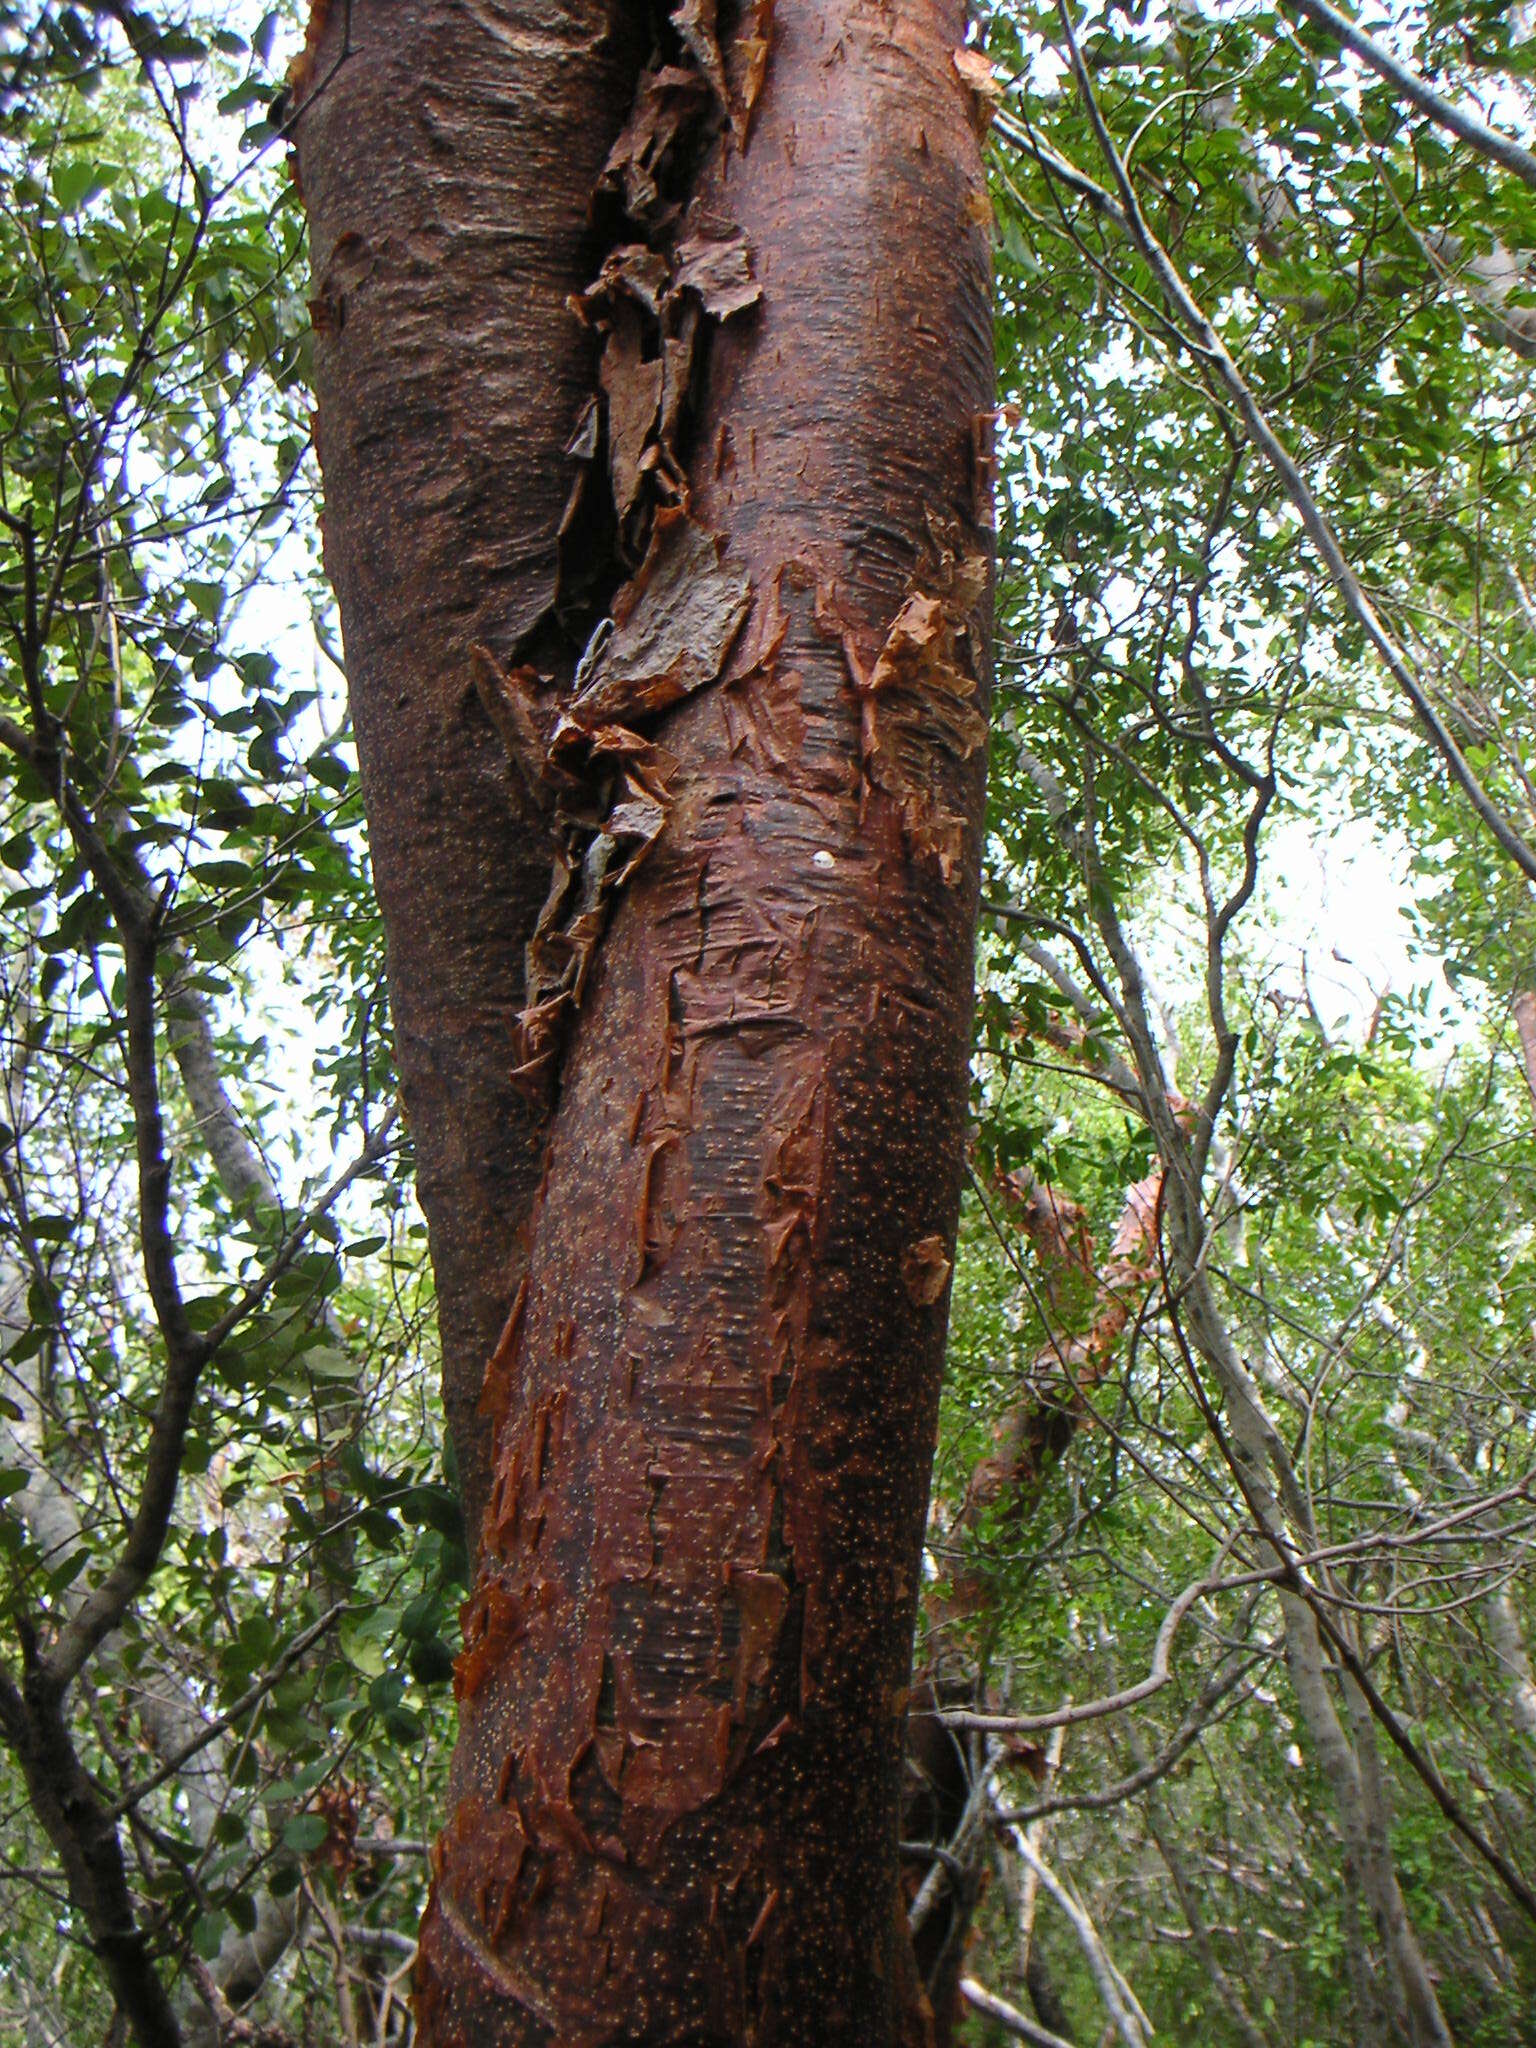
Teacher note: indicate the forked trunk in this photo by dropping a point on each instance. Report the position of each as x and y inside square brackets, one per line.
[683, 1690]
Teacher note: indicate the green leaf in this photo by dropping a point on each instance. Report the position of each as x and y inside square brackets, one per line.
[76, 182]
[304, 1833]
[430, 1661]
[208, 1934]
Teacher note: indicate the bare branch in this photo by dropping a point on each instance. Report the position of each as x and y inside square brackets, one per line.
[1489, 142]
[1008, 2016]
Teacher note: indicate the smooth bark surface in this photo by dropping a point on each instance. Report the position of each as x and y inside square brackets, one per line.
[448, 155]
[687, 1653]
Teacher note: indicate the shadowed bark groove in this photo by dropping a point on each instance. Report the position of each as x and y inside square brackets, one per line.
[684, 1684]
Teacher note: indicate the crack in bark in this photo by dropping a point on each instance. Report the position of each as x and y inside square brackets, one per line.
[673, 623]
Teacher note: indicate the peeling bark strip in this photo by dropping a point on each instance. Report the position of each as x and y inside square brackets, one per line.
[1031, 1436]
[686, 1656]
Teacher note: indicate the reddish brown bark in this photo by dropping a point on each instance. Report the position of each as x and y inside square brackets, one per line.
[1033, 1433]
[1031, 1437]
[684, 1684]
[1524, 1007]
[448, 154]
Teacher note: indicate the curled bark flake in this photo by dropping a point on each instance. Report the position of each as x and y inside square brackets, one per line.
[496, 1390]
[757, 651]
[669, 100]
[674, 625]
[301, 72]
[653, 291]
[586, 437]
[509, 697]
[983, 87]
[913, 644]
[719, 270]
[495, 1851]
[650, 305]
[764, 1914]
[632, 271]
[678, 355]
[959, 572]
[749, 55]
[735, 76]
[925, 1271]
[984, 470]
[660, 1202]
[632, 386]
[638, 819]
[515, 1513]
[762, 1600]
[781, 1232]
[697, 27]
[494, 1623]
[643, 375]
[785, 1725]
[621, 745]
[917, 703]
[588, 871]
[794, 1169]
[584, 539]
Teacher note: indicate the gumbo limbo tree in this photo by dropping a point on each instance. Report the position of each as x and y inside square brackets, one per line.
[653, 367]
[650, 366]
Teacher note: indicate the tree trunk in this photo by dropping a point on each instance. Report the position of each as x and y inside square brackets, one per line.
[448, 155]
[682, 1696]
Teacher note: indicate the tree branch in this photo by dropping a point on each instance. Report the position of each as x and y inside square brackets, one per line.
[1489, 142]
[1208, 345]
